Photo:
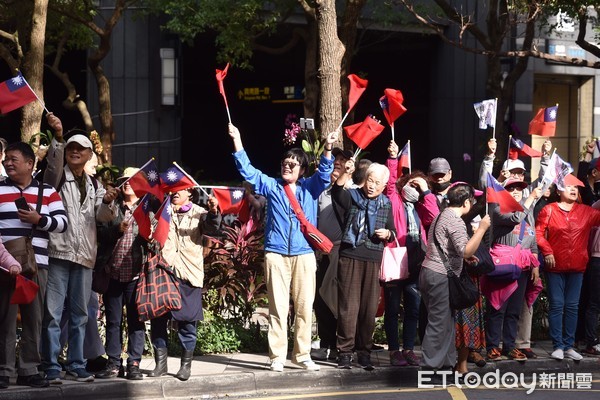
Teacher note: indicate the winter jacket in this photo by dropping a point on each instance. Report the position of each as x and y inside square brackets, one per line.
[282, 228]
[566, 235]
[183, 248]
[78, 243]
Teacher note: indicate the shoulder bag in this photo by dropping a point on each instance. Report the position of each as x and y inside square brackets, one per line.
[394, 264]
[316, 239]
[157, 290]
[461, 289]
[505, 259]
[21, 248]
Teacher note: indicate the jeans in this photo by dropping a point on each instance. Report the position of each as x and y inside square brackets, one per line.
[66, 279]
[503, 323]
[394, 291]
[186, 331]
[593, 305]
[563, 294]
[92, 343]
[117, 295]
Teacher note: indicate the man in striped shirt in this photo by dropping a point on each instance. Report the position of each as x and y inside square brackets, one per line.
[16, 223]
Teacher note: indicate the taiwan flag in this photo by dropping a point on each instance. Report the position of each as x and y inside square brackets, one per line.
[163, 224]
[231, 199]
[141, 214]
[15, 93]
[517, 147]
[497, 194]
[146, 180]
[175, 179]
[364, 132]
[544, 122]
[391, 104]
[404, 159]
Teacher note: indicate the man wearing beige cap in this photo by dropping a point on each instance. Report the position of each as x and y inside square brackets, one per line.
[73, 253]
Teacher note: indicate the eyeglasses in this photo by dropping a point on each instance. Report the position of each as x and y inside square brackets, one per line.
[513, 188]
[289, 164]
[517, 173]
[374, 182]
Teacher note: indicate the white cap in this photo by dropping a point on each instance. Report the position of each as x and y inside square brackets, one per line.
[513, 164]
[81, 140]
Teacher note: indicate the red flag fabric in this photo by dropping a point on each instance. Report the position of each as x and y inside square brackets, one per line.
[391, 104]
[404, 161]
[357, 87]
[497, 194]
[141, 214]
[146, 180]
[221, 74]
[163, 224]
[175, 179]
[544, 122]
[25, 291]
[517, 147]
[364, 132]
[231, 199]
[15, 93]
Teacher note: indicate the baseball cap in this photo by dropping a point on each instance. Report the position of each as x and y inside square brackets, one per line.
[571, 180]
[128, 173]
[515, 182]
[347, 154]
[513, 164]
[476, 192]
[82, 140]
[439, 165]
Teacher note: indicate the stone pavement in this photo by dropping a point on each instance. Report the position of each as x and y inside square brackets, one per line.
[243, 374]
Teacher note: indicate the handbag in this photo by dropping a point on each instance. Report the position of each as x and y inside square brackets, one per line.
[316, 239]
[394, 264]
[505, 258]
[157, 290]
[461, 289]
[484, 265]
[21, 248]
[100, 279]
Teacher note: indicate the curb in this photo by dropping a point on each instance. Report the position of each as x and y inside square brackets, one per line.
[267, 382]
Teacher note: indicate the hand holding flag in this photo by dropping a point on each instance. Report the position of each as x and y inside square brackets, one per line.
[221, 74]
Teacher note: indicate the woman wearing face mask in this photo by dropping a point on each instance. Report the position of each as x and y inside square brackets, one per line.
[414, 208]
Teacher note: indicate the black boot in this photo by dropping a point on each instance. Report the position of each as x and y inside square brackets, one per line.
[160, 357]
[186, 365]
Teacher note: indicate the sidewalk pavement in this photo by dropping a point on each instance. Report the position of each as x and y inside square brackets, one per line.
[244, 374]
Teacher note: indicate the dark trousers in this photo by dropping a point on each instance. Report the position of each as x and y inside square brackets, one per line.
[326, 321]
[395, 291]
[358, 297]
[186, 330]
[503, 323]
[591, 283]
[121, 294]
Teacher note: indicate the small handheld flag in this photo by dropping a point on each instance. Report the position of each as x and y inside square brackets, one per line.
[486, 112]
[544, 122]
[497, 194]
[556, 171]
[221, 74]
[363, 133]
[391, 104]
[15, 93]
[141, 214]
[163, 224]
[357, 87]
[517, 147]
[404, 159]
[146, 180]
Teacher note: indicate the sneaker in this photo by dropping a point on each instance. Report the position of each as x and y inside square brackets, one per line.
[80, 375]
[475, 358]
[364, 360]
[4, 382]
[345, 361]
[308, 365]
[517, 355]
[397, 359]
[410, 357]
[36, 381]
[276, 366]
[376, 348]
[333, 355]
[494, 354]
[53, 376]
[97, 364]
[573, 355]
[111, 371]
[558, 354]
[591, 351]
[319, 354]
[528, 353]
[133, 372]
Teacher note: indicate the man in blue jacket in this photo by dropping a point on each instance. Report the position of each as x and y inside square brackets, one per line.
[290, 262]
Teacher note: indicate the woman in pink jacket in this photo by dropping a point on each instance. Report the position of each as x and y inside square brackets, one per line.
[563, 231]
[414, 208]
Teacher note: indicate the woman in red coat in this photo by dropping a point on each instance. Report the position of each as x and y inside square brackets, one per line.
[563, 231]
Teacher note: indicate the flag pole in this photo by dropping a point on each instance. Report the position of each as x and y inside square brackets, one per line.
[356, 153]
[392, 126]
[141, 168]
[495, 116]
[204, 191]
[508, 151]
[409, 160]
[38, 97]
[227, 108]
[186, 174]
[343, 119]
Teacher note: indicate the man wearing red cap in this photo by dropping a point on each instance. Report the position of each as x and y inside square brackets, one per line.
[563, 231]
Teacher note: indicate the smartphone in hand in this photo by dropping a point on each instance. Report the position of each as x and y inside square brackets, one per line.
[21, 204]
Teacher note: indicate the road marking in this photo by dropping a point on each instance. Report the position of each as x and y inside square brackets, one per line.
[346, 393]
[456, 393]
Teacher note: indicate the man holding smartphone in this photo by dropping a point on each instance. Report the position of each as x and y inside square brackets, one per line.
[19, 217]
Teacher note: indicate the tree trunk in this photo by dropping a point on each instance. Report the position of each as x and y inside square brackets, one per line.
[331, 52]
[311, 82]
[33, 69]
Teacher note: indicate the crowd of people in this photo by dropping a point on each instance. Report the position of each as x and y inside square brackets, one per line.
[77, 225]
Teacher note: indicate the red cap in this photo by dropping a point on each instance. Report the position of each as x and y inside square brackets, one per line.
[571, 180]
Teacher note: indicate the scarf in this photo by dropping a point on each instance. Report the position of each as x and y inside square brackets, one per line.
[185, 208]
[413, 228]
[362, 225]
